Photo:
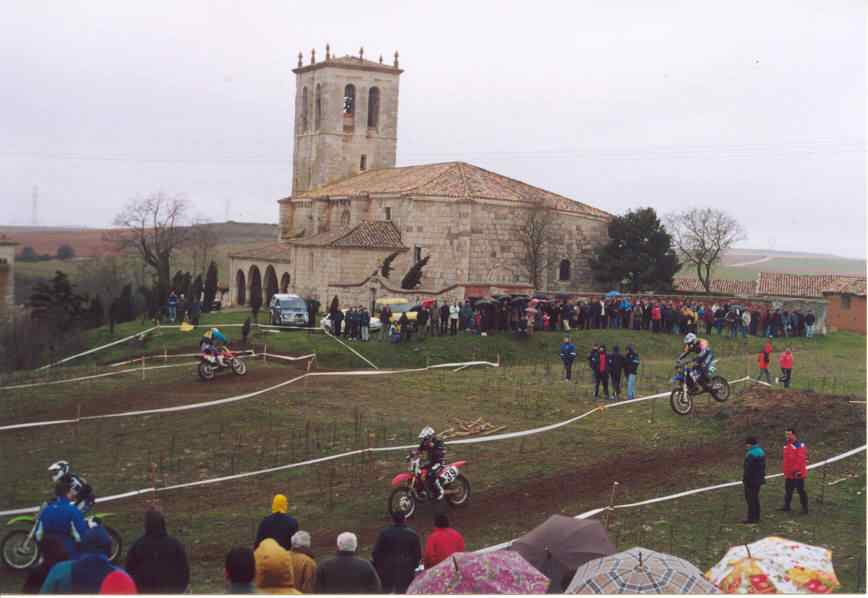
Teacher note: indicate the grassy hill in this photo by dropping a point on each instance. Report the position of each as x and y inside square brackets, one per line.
[746, 264]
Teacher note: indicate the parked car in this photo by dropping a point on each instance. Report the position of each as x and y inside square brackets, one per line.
[288, 310]
[326, 322]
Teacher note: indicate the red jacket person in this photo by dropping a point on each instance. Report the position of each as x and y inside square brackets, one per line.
[795, 465]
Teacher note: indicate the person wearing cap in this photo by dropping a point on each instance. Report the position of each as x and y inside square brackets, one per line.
[346, 573]
[278, 525]
[92, 573]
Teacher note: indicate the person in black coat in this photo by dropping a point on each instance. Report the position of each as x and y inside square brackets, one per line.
[616, 366]
[753, 478]
[346, 573]
[279, 526]
[157, 562]
[396, 555]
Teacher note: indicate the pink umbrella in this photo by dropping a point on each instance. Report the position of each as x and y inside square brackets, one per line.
[499, 572]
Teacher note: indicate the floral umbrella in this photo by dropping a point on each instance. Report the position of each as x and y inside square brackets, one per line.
[775, 565]
[639, 571]
[499, 572]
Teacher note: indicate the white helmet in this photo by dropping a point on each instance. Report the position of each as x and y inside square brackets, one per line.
[426, 433]
[58, 470]
[690, 339]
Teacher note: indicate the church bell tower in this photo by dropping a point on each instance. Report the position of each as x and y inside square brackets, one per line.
[346, 118]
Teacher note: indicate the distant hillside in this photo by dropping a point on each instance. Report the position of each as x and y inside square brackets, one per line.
[746, 264]
[88, 242]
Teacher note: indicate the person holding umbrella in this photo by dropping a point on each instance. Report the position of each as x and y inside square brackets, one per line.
[568, 355]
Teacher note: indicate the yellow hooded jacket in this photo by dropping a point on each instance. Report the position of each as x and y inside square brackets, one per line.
[274, 573]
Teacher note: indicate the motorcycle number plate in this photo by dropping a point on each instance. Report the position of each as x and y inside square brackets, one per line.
[449, 474]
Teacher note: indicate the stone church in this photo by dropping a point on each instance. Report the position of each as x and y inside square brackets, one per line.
[351, 206]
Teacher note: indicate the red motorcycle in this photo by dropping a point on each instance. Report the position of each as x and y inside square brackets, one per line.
[209, 365]
[411, 487]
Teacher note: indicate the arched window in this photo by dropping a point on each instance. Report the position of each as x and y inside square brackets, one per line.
[304, 110]
[270, 283]
[373, 107]
[284, 283]
[564, 270]
[345, 218]
[255, 284]
[240, 288]
[350, 99]
[317, 110]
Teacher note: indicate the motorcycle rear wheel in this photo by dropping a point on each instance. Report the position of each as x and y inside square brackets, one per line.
[14, 556]
[719, 389]
[461, 498]
[681, 404]
[239, 367]
[117, 545]
[402, 501]
[206, 371]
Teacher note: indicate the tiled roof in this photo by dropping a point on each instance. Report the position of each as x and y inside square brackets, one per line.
[370, 235]
[851, 286]
[457, 180]
[798, 285]
[741, 288]
[271, 251]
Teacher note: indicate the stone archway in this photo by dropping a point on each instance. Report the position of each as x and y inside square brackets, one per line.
[270, 283]
[284, 283]
[255, 279]
[240, 288]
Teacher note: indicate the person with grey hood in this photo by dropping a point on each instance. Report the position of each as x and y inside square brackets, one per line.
[157, 561]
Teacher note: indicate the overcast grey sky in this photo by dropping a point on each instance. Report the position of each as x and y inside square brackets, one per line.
[755, 107]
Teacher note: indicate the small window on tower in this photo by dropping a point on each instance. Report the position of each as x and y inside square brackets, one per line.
[373, 107]
[388, 213]
[304, 110]
[363, 162]
[317, 111]
[349, 99]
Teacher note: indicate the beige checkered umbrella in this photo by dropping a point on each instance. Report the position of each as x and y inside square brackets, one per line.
[639, 571]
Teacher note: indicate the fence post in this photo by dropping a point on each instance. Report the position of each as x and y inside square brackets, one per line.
[611, 503]
[143, 367]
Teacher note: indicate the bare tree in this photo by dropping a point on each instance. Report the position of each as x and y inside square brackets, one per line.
[701, 236]
[202, 241]
[153, 227]
[534, 237]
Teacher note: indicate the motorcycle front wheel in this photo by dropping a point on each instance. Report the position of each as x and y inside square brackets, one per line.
[206, 371]
[15, 554]
[461, 486]
[239, 367]
[117, 545]
[402, 501]
[681, 403]
[719, 389]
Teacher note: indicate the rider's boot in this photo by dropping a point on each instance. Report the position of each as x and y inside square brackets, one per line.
[438, 490]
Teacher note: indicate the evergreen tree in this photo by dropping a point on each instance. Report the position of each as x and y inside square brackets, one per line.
[413, 278]
[65, 252]
[210, 287]
[96, 313]
[196, 289]
[639, 254]
[57, 303]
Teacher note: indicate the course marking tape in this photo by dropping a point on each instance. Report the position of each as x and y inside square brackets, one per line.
[100, 348]
[365, 359]
[597, 511]
[95, 376]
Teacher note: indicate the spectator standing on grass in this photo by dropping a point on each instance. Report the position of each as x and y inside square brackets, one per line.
[810, 320]
[615, 364]
[278, 525]
[795, 466]
[346, 573]
[786, 363]
[422, 321]
[763, 361]
[445, 310]
[157, 562]
[753, 478]
[52, 552]
[454, 312]
[602, 371]
[386, 321]
[240, 571]
[434, 321]
[92, 572]
[274, 573]
[568, 355]
[337, 317]
[442, 543]
[396, 555]
[303, 562]
[745, 323]
[366, 325]
[172, 304]
[631, 368]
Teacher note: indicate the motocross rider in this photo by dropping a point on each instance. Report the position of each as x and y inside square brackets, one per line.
[702, 361]
[212, 343]
[435, 450]
[82, 497]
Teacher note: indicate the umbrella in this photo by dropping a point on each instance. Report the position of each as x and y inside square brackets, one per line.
[483, 302]
[499, 572]
[391, 301]
[613, 294]
[775, 565]
[563, 544]
[531, 310]
[639, 571]
[427, 302]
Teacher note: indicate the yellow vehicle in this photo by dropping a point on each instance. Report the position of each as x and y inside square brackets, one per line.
[398, 305]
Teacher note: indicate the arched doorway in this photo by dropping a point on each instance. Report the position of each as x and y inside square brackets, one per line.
[284, 283]
[240, 288]
[255, 285]
[270, 283]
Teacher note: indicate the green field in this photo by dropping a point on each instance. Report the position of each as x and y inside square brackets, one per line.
[516, 483]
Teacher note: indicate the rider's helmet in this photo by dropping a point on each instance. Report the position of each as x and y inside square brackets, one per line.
[58, 470]
[426, 434]
[690, 339]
